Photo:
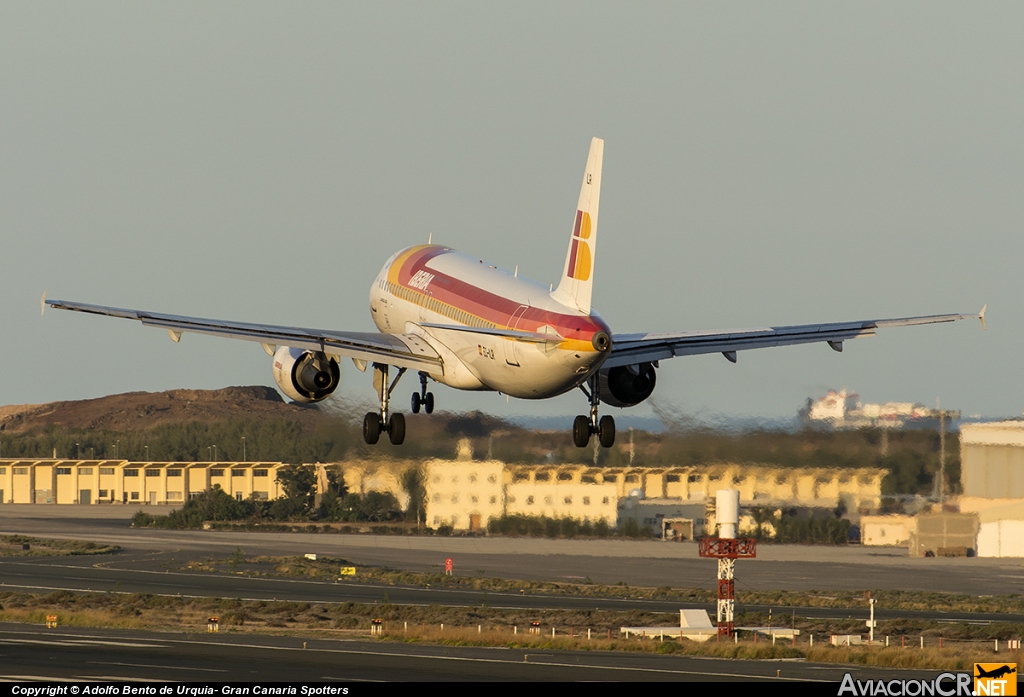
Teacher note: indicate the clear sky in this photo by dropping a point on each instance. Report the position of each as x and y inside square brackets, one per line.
[765, 164]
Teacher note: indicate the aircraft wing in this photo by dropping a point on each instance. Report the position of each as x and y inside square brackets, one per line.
[628, 349]
[401, 350]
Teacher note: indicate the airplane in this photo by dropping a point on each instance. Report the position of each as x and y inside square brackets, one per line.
[994, 673]
[461, 322]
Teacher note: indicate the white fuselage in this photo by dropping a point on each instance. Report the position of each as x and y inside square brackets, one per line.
[433, 285]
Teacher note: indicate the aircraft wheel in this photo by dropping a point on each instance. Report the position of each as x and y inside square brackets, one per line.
[371, 428]
[416, 403]
[396, 429]
[581, 431]
[428, 404]
[607, 431]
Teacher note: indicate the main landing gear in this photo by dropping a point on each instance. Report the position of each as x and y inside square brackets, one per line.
[423, 398]
[374, 423]
[583, 427]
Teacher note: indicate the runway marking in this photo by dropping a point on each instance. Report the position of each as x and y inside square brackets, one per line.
[83, 642]
[40, 678]
[150, 665]
[112, 678]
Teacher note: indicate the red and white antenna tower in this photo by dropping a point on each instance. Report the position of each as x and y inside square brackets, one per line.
[727, 548]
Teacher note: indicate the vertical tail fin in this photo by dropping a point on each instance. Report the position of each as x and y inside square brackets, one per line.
[578, 274]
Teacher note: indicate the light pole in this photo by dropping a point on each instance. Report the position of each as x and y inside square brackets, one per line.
[77, 449]
[147, 452]
[117, 449]
[244, 458]
[943, 415]
[214, 452]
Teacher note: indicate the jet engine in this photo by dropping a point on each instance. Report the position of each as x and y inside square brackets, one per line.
[305, 376]
[627, 385]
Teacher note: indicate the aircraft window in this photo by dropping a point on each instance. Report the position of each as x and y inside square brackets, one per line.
[586, 500]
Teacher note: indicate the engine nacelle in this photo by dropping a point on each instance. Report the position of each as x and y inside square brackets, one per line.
[305, 376]
[627, 385]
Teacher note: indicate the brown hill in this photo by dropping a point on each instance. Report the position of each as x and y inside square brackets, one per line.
[143, 410]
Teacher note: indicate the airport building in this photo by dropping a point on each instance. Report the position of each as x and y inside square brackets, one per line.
[464, 493]
[992, 473]
[467, 493]
[124, 482]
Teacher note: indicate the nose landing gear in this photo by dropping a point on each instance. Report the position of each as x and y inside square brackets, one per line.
[375, 423]
[423, 398]
[583, 427]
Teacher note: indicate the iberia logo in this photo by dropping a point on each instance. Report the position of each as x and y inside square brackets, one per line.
[995, 678]
[579, 255]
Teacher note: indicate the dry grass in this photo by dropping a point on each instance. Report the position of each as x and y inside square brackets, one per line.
[14, 546]
[328, 569]
[479, 626]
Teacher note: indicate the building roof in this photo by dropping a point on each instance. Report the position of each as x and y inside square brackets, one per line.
[994, 433]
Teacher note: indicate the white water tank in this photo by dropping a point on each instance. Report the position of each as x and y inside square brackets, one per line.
[727, 512]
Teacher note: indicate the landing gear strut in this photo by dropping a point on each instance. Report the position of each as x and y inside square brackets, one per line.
[374, 423]
[583, 427]
[423, 398]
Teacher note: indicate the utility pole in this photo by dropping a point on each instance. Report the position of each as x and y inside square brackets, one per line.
[942, 453]
[943, 415]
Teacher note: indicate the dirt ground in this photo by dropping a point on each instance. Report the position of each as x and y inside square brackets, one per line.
[134, 410]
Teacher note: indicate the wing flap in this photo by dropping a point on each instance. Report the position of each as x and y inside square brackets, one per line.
[401, 350]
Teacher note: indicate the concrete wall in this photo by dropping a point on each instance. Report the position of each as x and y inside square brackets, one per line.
[992, 460]
[1001, 538]
[886, 531]
[937, 531]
